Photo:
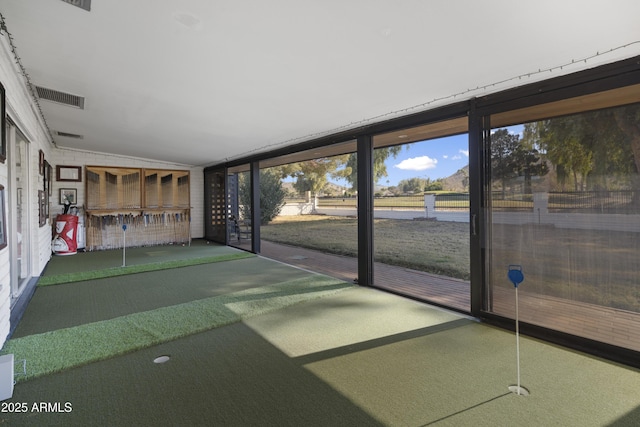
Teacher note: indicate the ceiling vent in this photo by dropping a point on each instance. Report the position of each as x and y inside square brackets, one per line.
[82, 4]
[69, 135]
[60, 97]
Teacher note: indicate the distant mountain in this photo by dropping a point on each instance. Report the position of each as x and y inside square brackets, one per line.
[459, 181]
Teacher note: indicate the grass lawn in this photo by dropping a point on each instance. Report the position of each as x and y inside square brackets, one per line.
[430, 246]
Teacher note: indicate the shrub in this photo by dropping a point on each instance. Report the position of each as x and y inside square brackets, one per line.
[271, 196]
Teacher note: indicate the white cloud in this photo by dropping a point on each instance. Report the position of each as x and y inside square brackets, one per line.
[456, 157]
[445, 156]
[464, 152]
[417, 163]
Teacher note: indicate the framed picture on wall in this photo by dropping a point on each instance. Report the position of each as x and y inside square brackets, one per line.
[47, 188]
[47, 178]
[41, 162]
[42, 210]
[3, 129]
[3, 218]
[49, 175]
[68, 195]
[69, 173]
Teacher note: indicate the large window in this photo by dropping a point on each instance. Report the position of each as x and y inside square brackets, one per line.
[318, 211]
[563, 199]
[421, 212]
[239, 204]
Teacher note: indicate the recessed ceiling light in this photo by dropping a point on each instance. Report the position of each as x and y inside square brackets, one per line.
[403, 136]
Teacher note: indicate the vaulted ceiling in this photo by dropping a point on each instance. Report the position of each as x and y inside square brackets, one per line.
[199, 82]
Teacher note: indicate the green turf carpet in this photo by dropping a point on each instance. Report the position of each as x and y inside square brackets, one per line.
[408, 364]
[74, 304]
[356, 358]
[133, 269]
[65, 348]
[99, 260]
[323, 353]
[227, 376]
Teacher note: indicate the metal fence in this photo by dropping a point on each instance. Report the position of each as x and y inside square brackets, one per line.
[338, 202]
[593, 201]
[408, 202]
[581, 201]
[508, 201]
[499, 200]
[452, 201]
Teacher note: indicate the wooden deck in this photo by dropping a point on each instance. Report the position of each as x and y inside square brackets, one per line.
[596, 322]
[608, 325]
[427, 287]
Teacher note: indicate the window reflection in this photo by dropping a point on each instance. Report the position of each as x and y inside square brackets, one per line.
[564, 204]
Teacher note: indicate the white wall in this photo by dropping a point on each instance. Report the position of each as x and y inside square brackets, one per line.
[293, 209]
[68, 157]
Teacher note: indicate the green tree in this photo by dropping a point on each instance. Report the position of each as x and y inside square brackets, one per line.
[413, 185]
[511, 157]
[627, 119]
[310, 175]
[437, 185]
[596, 150]
[380, 156]
[271, 196]
[503, 159]
[563, 143]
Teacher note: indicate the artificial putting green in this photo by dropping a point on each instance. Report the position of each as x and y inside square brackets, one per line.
[62, 349]
[80, 276]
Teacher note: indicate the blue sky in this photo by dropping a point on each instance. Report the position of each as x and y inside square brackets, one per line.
[437, 158]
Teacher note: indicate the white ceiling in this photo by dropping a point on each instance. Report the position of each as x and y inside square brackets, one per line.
[201, 81]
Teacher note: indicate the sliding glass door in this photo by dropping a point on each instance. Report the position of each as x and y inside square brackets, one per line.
[239, 204]
[19, 229]
[421, 212]
[563, 203]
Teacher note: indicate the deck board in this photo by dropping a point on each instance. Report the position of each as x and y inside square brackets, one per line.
[605, 324]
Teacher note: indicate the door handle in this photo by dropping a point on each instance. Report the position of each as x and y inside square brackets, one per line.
[474, 217]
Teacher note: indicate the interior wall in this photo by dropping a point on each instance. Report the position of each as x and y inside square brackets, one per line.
[68, 157]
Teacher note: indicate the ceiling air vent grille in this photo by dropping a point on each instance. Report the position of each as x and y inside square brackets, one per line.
[82, 4]
[69, 135]
[60, 97]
